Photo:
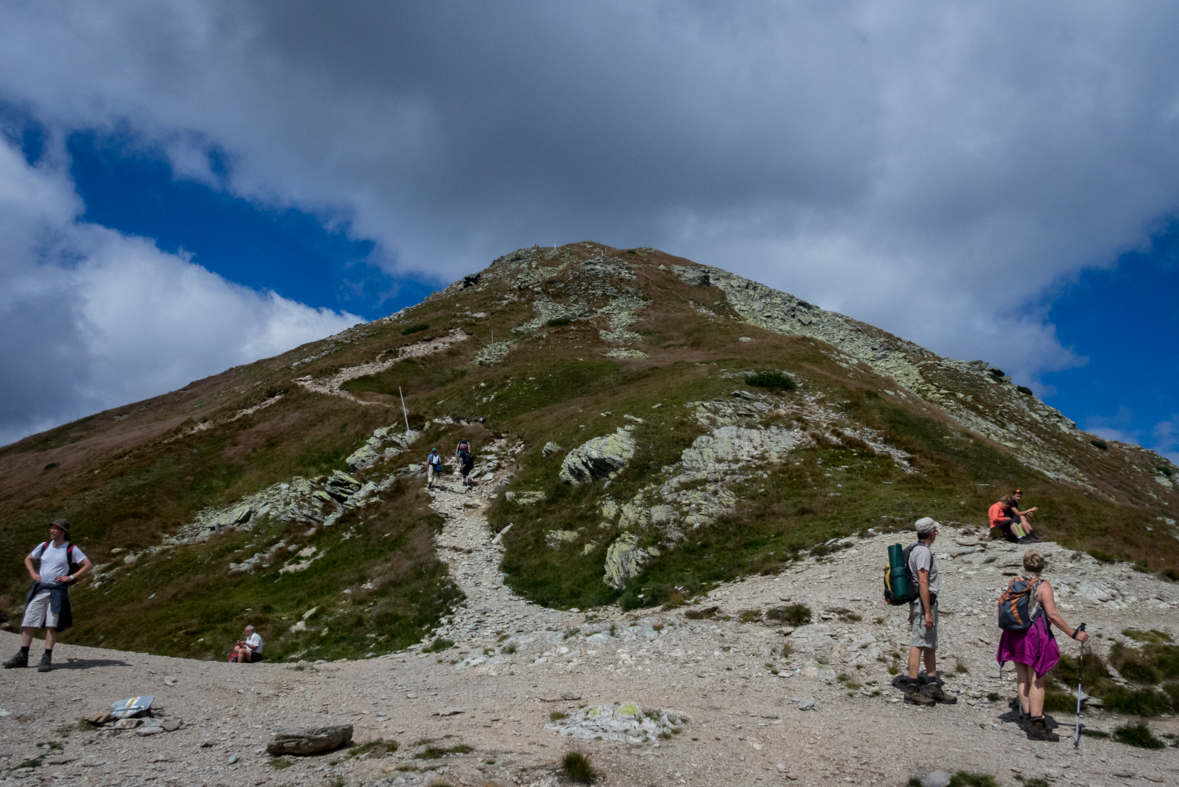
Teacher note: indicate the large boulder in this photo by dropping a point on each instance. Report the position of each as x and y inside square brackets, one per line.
[309, 740]
[598, 459]
[625, 559]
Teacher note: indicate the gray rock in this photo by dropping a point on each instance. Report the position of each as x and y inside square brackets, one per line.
[145, 731]
[550, 448]
[598, 459]
[171, 725]
[309, 740]
[806, 703]
[936, 779]
[454, 711]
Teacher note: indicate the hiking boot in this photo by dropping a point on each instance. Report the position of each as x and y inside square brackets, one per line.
[935, 692]
[1037, 728]
[46, 663]
[21, 659]
[914, 695]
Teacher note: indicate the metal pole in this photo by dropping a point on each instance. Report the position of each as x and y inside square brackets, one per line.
[403, 412]
[1080, 690]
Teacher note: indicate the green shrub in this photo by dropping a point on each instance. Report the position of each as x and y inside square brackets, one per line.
[1023, 389]
[1138, 735]
[964, 779]
[1099, 443]
[775, 381]
[557, 322]
[794, 614]
[1104, 557]
[416, 329]
[577, 767]
[438, 645]
[700, 614]
[1146, 703]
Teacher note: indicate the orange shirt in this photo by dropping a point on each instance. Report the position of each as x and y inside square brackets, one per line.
[996, 513]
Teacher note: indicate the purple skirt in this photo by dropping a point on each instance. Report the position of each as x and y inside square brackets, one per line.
[1035, 647]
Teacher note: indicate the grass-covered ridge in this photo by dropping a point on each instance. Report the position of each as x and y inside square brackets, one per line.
[584, 336]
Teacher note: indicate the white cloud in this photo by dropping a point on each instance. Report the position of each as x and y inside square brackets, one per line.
[92, 319]
[1166, 438]
[932, 168]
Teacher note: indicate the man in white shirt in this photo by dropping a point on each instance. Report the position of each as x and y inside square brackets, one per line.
[48, 603]
[249, 649]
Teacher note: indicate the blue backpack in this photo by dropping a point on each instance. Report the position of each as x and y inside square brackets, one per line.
[1016, 602]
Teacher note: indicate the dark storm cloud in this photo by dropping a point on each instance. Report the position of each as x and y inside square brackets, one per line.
[931, 168]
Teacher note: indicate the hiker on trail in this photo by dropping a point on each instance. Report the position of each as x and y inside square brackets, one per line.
[466, 461]
[924, 619]
[433, 467]
[248, 650]
[48, 603]
[1008, 522]
[1033, 649]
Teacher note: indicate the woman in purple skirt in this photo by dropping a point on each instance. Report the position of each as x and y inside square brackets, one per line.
[1035, 651]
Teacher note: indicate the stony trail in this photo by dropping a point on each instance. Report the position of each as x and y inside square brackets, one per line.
[516, 668]
[474, 557]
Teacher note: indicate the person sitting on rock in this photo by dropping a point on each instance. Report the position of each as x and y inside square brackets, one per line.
[1009, 523]
[1035, 651]
[248, 650]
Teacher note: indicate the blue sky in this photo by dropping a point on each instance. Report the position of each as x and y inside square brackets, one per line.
[187, 186]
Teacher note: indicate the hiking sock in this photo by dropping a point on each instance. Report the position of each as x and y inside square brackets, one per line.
[48, 654]
[24, 651]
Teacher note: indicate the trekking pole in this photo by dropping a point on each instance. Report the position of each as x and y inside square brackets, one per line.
[1080, 689]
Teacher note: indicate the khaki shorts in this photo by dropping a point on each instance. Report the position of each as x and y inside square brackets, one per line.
[921, 636]
[38, 613]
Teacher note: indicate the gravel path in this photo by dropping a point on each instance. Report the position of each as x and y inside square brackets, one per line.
[515, 664]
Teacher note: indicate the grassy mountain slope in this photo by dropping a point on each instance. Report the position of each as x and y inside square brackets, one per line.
[548, 346]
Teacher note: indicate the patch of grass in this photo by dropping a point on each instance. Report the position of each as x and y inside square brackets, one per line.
[960, 668]
[701, 614]
[1137, 735]
[749, 616]
[965, 779]
[1171, 574]
[438, 645]
[557, 322]
[994, 697]
[1034, 782]
[1093, 733]
[1102, 556]
[1099, 443]
[424, 326]
[557, 716]
[775, 381]
[279, 763]
[1151, 664]
[793, 614]
[438, 752]
[1146, 703]
[378, 747]
[577, 767]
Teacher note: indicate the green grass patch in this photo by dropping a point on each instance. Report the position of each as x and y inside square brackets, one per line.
[378, 747]
[280, 763]
[424, 326]
[774, 381]
[1138, 735]
[438, 752]
[792, 614]
[577, 767]
[965, 779]
[438, 645]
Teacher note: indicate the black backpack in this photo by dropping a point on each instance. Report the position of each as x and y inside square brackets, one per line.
[896, 599]
[73, 566]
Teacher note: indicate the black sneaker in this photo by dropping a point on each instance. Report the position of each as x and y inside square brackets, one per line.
[21, 659]
[46, 663]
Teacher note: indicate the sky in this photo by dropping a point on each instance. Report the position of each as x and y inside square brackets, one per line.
[190, 185]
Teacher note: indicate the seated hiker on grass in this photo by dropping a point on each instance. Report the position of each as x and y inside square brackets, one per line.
[1009, 523]
[1034, 650]
[248, 650]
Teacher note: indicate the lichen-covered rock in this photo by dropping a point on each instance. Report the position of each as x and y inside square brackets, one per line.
[625, 559]
[625, 721]
[554, 538]
[524, 498]
[309, 740]
[598, 459]
[384, 443]
[550, 448]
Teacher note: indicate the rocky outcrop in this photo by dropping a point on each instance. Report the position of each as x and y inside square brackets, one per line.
[625, 559]
[599, 459]
[627, 722]
[386, 442]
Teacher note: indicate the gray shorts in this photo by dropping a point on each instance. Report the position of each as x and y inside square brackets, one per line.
[38, 613]
[921, 636]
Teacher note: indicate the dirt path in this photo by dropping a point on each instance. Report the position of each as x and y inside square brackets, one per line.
[496, 694]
